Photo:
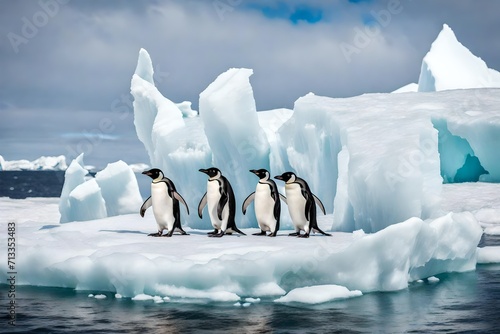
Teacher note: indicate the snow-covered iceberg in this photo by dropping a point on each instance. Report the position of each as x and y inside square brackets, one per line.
[176, 145]
[115, 254]
[374, 160]
[43, 163]
[450, 65]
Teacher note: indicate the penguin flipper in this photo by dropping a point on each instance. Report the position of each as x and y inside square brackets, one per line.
[318, 201]
[247, 202]
[147, 203]
[178, 197]
[203, 203]
[308, 207]
[283, 198]
[222, 203]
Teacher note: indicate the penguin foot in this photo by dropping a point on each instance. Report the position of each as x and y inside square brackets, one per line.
[272, 235]
[295, 234]
[212, 233]
[260, 233]
[157, 234]
[303, 236]
[217, 235]
[168, 235]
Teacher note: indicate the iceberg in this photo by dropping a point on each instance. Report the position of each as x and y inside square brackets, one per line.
[238, 143]
[176, 145]
[374, 160]
[119, 188]
[113, 191]
[450, 65]
[43, 163]
[114, 256]
[73, 177]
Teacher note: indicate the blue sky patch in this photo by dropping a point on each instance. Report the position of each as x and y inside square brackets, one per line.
[294, 14]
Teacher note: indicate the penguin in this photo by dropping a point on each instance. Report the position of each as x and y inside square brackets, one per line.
[301, 205]
[165, 201]
[221, 203]
[267, 203]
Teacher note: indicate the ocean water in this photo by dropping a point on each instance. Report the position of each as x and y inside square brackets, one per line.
[459, 302]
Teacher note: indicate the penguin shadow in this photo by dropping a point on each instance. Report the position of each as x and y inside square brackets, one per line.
[124, 231]
[48, 227]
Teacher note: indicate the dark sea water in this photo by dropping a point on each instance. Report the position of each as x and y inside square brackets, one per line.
[458, 303]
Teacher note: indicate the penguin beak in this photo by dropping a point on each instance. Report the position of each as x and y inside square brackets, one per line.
[203, 171]
[279, 177]
[253, 171]
[147, 172]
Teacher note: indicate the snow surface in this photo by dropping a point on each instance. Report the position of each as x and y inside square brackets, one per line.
[450, 65]
[115, 254]
[42, 163]
[481, 199]
[113, 191]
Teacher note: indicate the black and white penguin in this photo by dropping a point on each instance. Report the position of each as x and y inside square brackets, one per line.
[221, 203]
[267, 203]
[301, 205]
[165, 201]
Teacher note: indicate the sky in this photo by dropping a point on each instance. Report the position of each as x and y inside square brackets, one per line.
[65, 65]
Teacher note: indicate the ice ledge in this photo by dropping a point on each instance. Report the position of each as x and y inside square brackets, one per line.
[114, 254]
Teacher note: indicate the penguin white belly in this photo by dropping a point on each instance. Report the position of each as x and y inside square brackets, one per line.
[213, 197]
[162, 206]
[264, 208]
[296, 206]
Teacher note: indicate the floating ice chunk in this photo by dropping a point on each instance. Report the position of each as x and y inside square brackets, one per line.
[118, 296]
[489, 254]
[246, 304]
[142, 297]
[432, 279]
[119, 189]
[318, 294]
[252, 300]
[267, 290]
[182, 292]
[101, 296]
[237, 304]
[90, 295]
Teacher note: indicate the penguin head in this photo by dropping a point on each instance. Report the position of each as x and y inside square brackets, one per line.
[288, 177]
[212, 172]
[263, 174]
[154, 173]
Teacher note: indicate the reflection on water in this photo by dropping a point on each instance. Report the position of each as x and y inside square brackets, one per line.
[459, 302]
